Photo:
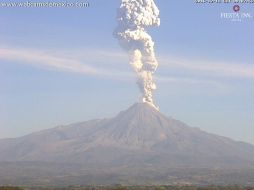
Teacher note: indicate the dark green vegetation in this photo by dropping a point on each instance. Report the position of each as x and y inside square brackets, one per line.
[48, 175]
[161, 187]
[140, 187]
[10, 188]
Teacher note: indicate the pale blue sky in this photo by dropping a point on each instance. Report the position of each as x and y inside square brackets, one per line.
[62, 65]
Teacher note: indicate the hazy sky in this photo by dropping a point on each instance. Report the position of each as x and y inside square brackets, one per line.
[62, 65]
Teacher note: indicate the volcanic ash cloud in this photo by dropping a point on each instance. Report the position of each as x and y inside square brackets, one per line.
[133, 17]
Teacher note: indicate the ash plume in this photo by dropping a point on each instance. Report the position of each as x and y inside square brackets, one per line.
[133, 17]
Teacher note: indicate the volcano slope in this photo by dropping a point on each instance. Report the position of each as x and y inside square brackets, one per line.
[139, 145]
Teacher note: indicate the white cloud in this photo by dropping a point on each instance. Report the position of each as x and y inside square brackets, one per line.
[61, 61]
[206, 68]
[188, 81]
[114, 64]
[43, 59]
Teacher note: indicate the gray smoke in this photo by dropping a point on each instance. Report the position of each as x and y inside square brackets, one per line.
[133, 17]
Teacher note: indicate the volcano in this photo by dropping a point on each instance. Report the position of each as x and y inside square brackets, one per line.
[139, 145]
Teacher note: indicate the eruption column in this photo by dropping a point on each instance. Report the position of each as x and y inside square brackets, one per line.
[133, 17]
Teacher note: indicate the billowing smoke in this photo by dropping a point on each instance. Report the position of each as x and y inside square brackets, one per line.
[133, 17]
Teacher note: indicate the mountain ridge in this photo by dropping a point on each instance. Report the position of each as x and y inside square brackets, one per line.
[137, 139]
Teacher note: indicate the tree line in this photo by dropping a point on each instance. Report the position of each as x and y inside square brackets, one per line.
[140, 187]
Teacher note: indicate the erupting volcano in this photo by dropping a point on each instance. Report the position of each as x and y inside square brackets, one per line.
[133, 17]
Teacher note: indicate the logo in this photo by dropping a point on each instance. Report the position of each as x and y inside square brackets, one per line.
[236, 8]
[236, 15]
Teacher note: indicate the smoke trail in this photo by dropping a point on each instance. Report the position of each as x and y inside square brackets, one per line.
[133, 17]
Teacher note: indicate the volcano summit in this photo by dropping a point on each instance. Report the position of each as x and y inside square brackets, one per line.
[140, 144]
